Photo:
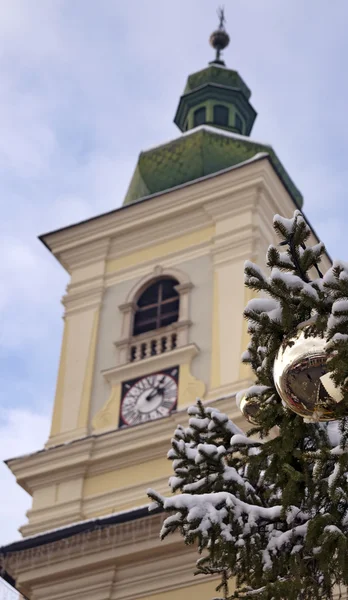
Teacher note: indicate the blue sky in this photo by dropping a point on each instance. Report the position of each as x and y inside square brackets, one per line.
[84, 87]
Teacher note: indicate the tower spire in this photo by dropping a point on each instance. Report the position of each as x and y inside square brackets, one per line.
[219, 39]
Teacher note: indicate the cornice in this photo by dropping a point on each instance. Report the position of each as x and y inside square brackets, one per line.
[119, 535]
[88, 283]
[182, 210]
[66, 436]
[166, 360]
[60, 459]
[111, 450]
[85, 254]
[73, 472]
[144, 566]
[78, 301]
[74, 244]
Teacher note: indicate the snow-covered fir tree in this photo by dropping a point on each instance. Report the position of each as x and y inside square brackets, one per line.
[269, 509]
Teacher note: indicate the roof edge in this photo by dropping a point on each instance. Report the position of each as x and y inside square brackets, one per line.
[258, 156]
[68, 531]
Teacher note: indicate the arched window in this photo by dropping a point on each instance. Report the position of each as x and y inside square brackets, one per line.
[238, 123]
[221, 115]
[157, 306]
[199, 116]
[155, 316]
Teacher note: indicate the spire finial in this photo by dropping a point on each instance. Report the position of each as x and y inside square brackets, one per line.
[219, 39]
[221, 14]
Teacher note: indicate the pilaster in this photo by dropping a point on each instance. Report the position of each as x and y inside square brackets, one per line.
[82, 304]
[234, 242]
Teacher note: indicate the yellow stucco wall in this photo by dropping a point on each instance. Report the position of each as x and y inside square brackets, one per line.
[127, 476]
[72, 404]
[178, 244]
[200, 591]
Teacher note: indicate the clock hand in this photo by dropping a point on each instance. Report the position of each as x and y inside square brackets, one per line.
[152, 394]
[156, 390]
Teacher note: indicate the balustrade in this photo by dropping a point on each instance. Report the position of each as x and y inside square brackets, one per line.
[152, 345]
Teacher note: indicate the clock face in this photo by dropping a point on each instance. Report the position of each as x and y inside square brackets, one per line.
[149, 397]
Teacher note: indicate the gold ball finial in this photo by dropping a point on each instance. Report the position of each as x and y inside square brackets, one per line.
[220, 39]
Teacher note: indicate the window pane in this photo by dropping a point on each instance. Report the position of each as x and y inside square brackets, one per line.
[220, 115]
[147, 313]
[170, 307]
[150, 295]
[144, 327]
[199, 116]
[158, 306]
[145, 320]
[168, 290]
[168, 319]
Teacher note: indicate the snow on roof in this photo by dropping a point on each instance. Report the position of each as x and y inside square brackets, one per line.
[219, 65]
[224, 132]
[211, 129]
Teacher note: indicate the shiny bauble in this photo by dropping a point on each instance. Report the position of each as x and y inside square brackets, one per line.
[302, 379]
[249, 408]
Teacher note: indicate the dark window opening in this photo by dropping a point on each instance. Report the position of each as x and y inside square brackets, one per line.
[157, 306]
[238, 123]
[199, 117]
[221, 115]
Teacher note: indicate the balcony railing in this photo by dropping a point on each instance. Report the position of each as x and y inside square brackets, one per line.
[156, 344]
[153, 343]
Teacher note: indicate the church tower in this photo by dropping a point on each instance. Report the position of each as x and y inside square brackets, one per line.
[152, 320]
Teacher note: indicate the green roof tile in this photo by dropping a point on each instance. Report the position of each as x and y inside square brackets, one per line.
[201, 152]
[219, 75]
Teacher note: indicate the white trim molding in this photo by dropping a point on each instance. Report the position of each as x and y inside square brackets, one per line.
[132, 370]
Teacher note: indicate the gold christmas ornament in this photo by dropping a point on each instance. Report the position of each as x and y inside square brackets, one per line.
[302, 379]
[249, 408]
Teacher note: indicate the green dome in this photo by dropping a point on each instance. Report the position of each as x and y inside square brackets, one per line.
[200, 152]
[216, 117]
[217, 74]
[216, 96]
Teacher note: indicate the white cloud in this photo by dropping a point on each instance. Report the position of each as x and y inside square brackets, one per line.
[31, 286]
[21, 432]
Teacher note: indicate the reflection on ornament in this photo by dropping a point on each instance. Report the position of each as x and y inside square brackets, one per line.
[303, 381]
[249, 409]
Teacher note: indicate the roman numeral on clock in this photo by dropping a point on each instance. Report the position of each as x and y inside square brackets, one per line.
[168, 403]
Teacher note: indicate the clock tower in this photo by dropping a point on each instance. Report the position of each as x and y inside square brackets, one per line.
[152, 320]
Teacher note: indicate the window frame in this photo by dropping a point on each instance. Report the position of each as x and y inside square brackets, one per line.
[181, 327]
[238, 121]
[201, 109]
[158, 305]
[227, 114]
